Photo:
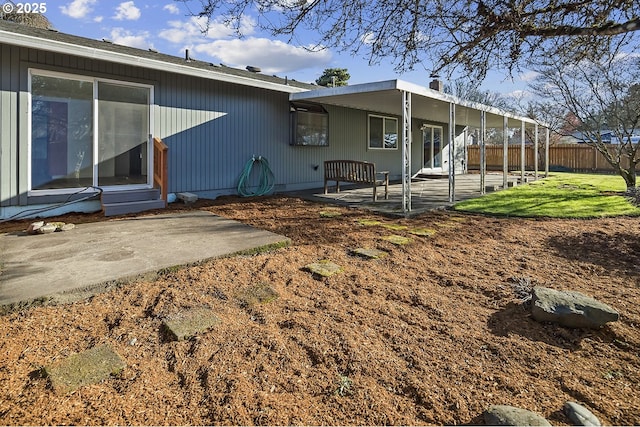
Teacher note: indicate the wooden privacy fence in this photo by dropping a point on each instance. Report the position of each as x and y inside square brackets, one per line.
[576, 158]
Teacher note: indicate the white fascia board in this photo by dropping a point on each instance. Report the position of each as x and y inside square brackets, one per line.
[121, 58]
[423, 91]
[344, 90]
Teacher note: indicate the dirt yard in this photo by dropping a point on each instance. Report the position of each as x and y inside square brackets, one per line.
[432, 333]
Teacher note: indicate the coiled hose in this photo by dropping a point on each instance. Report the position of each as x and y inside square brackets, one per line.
[266, 178]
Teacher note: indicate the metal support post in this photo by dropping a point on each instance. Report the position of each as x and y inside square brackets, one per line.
[546, 154]
[535, 153]
[452, 149]
[483, 151]
[505, 152]
[406, 152]
[523, 160]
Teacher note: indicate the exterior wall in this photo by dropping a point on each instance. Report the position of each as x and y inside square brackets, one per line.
[212, 129]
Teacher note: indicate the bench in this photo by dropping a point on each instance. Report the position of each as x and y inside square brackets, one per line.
[357, 172]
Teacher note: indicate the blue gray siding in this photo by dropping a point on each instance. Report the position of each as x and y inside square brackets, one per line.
[212, 128]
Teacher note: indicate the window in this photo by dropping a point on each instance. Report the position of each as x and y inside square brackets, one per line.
[383, 133]
[88, 132]
[309, 125]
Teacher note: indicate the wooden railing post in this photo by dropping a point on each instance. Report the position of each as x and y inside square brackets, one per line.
[160, 167]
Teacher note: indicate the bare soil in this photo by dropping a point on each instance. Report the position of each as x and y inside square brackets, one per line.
[432, 333]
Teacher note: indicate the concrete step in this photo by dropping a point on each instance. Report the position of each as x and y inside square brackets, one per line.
[109, 197]
[131, 201]
[123, 208]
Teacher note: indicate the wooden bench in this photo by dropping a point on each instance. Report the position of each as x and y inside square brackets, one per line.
[357, 172]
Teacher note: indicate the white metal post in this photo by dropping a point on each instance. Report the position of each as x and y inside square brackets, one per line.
[523, 159]
[535, 153]
[483, 150]
[505, 152]
[406, 152]
[452, 148]
[546, 155]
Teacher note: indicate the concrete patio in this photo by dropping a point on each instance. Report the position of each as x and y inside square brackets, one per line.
[427, 194]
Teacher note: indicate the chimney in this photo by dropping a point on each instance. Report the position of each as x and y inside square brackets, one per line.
[436, 84]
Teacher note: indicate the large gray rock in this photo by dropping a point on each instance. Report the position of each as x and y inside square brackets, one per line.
[579, 415]
[502, 415]
[571, 309]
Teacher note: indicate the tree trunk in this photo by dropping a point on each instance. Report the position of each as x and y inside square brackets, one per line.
[629, 177]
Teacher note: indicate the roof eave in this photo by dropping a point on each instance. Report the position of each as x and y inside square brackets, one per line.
[31, 42]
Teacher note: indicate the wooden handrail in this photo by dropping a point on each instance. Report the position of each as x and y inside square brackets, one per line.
[160, 166]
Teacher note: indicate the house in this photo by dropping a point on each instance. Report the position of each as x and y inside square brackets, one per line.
[78, 118]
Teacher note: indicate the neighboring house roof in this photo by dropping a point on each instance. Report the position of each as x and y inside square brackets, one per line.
[51, 40]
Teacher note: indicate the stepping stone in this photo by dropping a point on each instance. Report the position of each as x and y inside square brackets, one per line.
[370, 253]
[330, 214]
[369, 222]
[257, 294]
[89, 367]
[324, 268]
[423, 231]
[395, 227]
[397, 240]
[185, 325]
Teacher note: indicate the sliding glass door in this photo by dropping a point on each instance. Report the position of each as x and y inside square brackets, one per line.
[88, 132]
[123, 133]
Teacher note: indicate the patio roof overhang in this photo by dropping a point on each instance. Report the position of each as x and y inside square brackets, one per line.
[410, 101]
[427, 104]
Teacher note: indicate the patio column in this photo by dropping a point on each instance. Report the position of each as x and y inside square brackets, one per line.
[505, 152]
[523, 160]
[535, 152]
[406, 152]
[483, 150]
[546, 154]
[452, 149]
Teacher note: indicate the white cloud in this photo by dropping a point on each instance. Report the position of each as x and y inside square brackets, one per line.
[194, 30]
[78, 8]
[127, 11]
[272, 56]
[127, 38]
[172, 9]
[98, 19]
[519, 94]
[529, 76]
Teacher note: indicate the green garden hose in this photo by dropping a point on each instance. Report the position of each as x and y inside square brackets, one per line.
[266, 178]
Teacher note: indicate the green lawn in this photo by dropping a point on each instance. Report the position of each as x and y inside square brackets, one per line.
[562, 195]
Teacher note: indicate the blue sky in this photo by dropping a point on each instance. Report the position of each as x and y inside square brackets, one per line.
[167, 26]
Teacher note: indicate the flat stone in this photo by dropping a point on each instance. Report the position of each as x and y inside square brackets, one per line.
[34, 226]
[187, 197]
[67, 227]
[330, 214]
[324, 268]
[397, 240]
[369, 222]
[257, 294]
[570, 309]
[503, 415]
[190, 323]
[369, 253]
[579, 415]
[89, 367]
[47, 229]
[425, 232]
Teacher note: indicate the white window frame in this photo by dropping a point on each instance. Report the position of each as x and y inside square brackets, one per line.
[95, 81]
[384, 118]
